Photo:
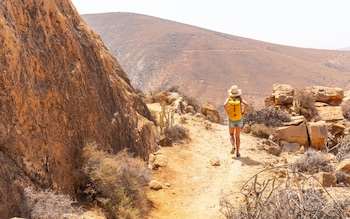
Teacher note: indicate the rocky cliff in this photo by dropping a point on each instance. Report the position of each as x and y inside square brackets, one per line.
[60, 89]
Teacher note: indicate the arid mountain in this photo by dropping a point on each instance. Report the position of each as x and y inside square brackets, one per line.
[60, 89]
[159, 54]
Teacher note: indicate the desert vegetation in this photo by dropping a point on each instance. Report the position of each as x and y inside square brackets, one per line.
[292, 191]
[116, 182]
[305, 104]
[168, 130]
[263, 122]
[50, 204]
[346, 110]
[302, 189]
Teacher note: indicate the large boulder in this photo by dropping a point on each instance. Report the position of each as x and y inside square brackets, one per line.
[294, 133]
[330, 113]
[331, 96]
[343, 166]
[282, 94]
[317, 133]
[211, 113]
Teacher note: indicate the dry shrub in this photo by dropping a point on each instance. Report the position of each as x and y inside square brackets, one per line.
[174, 88]
[166, 117]
[305, 101]
[176, 133]
[312, 162]
[294, 196]
[49, 204]
[154, 95]
[262, 131]
[341, 149]
[120, 182]
[270, 117]
[342, 177]
[346, 111]
[193, 102]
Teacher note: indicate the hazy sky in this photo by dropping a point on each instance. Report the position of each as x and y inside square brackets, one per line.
[322, 24]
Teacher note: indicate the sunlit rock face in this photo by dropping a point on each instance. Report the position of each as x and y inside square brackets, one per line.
[60, 89]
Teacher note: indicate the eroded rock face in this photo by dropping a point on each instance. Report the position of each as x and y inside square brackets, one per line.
[329, 95]
[282, 94]
[60, 89]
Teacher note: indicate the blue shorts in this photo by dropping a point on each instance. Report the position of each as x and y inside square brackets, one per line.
[237, 123]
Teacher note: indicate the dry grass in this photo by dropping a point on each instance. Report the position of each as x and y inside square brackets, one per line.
[305, 102]
[312, 162]
[49, 204]
[119, 181]
[342, 149]
[292, 196]
[263, 122]
[262, 131]
[290, 192]
[176, 133]
[270, 117]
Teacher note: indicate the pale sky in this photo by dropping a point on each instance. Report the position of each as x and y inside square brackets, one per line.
[321, 24]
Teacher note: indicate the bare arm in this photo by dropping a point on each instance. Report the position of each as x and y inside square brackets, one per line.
[245, 107]
[225, 105]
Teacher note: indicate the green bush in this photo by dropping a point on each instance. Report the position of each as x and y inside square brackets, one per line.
[120, 182]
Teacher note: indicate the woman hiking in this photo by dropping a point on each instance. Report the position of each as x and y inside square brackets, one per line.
[233, 107]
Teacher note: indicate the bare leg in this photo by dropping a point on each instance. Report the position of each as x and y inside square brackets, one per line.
[232, 137]
[238, 140]
[233, 140]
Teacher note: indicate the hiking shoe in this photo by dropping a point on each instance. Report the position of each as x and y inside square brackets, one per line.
[233, 150]
[238, 154]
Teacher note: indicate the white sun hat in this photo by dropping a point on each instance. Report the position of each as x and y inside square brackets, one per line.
[234, 91]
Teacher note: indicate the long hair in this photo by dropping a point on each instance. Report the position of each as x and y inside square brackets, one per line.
[239, 97]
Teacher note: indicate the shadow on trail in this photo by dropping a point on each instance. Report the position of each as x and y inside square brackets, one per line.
[247, 161]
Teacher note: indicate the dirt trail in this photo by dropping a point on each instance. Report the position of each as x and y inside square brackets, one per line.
[195, 186]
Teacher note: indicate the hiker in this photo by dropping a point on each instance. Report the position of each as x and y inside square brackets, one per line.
[235, 112]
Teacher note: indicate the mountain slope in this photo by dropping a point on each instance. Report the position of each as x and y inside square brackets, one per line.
[158, 54]
[60, 89]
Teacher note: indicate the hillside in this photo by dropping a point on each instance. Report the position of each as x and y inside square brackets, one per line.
[159, 54]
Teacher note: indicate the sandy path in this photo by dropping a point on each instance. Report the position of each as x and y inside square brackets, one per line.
[195, 185]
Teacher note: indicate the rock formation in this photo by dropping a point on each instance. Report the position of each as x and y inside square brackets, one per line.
[325, 114]
[60, 89]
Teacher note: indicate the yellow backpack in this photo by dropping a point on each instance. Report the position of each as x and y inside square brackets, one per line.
[234, 109]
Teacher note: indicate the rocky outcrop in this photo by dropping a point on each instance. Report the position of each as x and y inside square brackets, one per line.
[322, 109]
[294, 133]
[330, 113]
[60, 89]
[331, 96]
[317, 133]
[282, 94]
[210, 112]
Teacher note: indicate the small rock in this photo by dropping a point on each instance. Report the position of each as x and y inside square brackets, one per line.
[154, 184]
[327, 179]
[215, 162]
